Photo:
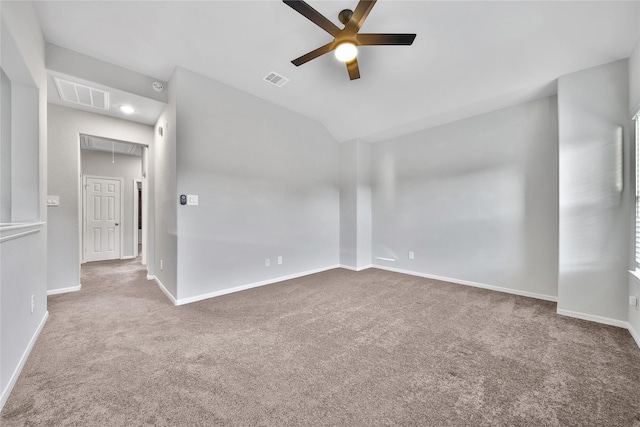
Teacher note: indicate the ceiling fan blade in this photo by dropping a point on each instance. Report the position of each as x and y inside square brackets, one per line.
[359, 15]
[385, 39]
[352, 68]
[313, 54]
[313, 15]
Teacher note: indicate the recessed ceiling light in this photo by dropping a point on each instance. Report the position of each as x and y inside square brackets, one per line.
[127, 109]
[346, 52]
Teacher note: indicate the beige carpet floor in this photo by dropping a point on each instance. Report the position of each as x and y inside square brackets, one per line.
[337, 348]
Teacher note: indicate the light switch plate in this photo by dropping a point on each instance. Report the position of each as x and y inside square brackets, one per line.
[192, 200]
[53, 200]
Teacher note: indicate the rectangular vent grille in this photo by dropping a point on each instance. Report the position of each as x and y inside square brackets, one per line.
[109, 145]
[81, 94]
[276, 79]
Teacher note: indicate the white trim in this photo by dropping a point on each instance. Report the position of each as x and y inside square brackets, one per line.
[201, 297]
[64, 290]
[16, 373]
[20, 225]
[348, 267]
[469, 283]
[634, 334]
[166, 292]
[594, 318]
[146, 207]
[150, 276]
[136, 208]
[128, 257]
[37, 226]
[635, 273]
[17, 235]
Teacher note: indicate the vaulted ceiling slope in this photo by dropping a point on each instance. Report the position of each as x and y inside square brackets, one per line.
[468, 57]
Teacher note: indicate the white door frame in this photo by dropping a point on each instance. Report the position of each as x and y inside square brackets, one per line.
[84, 210]
[136, 208]
[146, 207]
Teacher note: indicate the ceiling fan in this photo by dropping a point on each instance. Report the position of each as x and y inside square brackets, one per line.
[346, 40]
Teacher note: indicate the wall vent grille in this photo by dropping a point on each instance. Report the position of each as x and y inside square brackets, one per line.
[276, 79]
[80, 94]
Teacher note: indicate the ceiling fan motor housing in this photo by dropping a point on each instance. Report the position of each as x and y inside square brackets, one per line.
[345, 15]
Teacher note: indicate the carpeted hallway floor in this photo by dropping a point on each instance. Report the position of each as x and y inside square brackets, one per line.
[336, 348]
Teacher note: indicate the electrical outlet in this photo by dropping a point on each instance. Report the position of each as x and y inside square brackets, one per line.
[161, 264]
[411, 255]
[267, 262]
[33, 303]
[279, 260]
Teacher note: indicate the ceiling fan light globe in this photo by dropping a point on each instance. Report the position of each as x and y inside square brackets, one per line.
[346, 52]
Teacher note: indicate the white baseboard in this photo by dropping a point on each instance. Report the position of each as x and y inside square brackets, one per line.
[166, 292]
[64, 290]
[16, 373]
[182, 301]
[593, 318]
[469, 283]
[349, 267]
[150, 277]
[634, 333]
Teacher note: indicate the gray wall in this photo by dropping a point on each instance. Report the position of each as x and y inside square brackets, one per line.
[64, 238]
[99, 163]
[595, 193]
[267, 181]
[25, 173]
[105, 73]
[634, 79]
[365, 226]
[355, 204]
[634, 104]
[349, 204]
[5, 148]
[475, 200]
[163, 189]
[23, 259]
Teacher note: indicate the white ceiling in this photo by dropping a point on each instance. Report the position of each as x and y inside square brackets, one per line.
[146, 111]
[468, 57]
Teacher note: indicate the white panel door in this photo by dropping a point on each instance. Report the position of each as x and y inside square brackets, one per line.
[102, 217]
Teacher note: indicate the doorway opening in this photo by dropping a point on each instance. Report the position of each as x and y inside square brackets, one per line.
[137, 217]
[112, 212]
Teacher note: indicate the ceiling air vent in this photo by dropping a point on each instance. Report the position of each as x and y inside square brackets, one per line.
[88, 142]
[81, 94]
[276, 79]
